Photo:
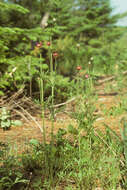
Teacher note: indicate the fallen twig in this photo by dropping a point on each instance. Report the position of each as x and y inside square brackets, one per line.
[30, 116]
[64, 103]
[22, 115]
[110, 78]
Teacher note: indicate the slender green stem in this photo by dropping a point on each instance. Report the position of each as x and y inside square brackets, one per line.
[52, 92]
[52, 95]
[55, 64]
[42, 99]
[52, 80]
[29, 68]
[80, 158]
[51, 63]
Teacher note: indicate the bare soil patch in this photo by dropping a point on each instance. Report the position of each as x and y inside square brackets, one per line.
[30, 130]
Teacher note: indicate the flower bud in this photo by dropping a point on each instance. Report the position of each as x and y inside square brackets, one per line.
[78, 45]
[54, 19]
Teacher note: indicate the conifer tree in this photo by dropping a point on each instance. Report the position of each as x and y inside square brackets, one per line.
[89, 23]
[14, 45]
[94, 26]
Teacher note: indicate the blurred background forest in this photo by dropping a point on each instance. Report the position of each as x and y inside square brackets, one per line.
[82, 33]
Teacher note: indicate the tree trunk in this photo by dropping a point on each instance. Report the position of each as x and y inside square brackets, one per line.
[44, 20]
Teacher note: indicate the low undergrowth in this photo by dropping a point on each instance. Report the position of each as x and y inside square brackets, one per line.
[91, 160]
[95, 160]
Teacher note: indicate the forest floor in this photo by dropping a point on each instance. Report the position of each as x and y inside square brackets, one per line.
[110, 108]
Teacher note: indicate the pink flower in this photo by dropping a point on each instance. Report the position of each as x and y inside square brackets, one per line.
[39, 45]
[86, 76]
[78, 68]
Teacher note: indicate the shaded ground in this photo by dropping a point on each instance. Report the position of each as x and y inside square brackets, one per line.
[109, 109]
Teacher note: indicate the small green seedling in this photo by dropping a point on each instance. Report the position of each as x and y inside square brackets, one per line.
[5, 119]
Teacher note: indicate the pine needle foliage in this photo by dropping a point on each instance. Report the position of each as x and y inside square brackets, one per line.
[89, 23]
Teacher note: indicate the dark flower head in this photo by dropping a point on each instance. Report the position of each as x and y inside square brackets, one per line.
[55, 55]
[78, 68]
[48, 43]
